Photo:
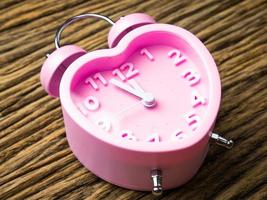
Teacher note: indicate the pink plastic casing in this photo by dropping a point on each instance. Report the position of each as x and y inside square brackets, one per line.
[54, 67]
[129, 164]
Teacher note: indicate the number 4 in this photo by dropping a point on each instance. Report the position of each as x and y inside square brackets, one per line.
[197, 99]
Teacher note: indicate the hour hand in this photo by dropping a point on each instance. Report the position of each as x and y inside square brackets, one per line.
[134, 89]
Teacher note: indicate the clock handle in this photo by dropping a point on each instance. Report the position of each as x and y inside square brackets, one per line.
[222, 141]
[76, 18]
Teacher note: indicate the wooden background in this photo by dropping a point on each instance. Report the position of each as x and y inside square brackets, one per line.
[35, 160]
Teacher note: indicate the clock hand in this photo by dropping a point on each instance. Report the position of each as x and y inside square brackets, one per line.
[135, 85]
[147, 99]
[127, 88]
[116, 115]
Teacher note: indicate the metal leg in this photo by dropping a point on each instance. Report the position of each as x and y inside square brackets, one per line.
[156, 177]
[222, 141]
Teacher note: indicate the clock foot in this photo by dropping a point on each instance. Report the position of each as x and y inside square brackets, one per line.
[156, 177]
[222, 141]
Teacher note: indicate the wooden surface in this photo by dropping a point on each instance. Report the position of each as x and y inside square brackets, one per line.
[35, 160]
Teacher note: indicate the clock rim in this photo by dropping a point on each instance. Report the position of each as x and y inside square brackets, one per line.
[214, 94]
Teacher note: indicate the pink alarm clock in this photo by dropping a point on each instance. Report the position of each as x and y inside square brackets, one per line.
[139, 114]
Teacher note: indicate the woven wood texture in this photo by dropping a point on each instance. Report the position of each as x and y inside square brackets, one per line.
[35, 160]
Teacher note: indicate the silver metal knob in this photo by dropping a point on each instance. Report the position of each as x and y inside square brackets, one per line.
[156, 177]
[222, 141]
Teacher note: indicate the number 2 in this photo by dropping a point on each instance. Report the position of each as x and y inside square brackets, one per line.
[129, 74]
[131, 71]
[178, 57]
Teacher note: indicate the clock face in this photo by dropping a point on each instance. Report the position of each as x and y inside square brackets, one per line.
[159, 93]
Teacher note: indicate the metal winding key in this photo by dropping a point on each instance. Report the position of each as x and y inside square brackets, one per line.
[149, 101]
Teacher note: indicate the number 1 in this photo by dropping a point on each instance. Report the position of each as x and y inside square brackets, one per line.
[145, 52]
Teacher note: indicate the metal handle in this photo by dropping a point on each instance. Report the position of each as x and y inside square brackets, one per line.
[74, 19]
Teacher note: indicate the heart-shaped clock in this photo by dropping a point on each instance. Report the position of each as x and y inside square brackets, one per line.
[143, 109]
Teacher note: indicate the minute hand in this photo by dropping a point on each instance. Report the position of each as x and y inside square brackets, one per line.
[147, 98]
[128, 88]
